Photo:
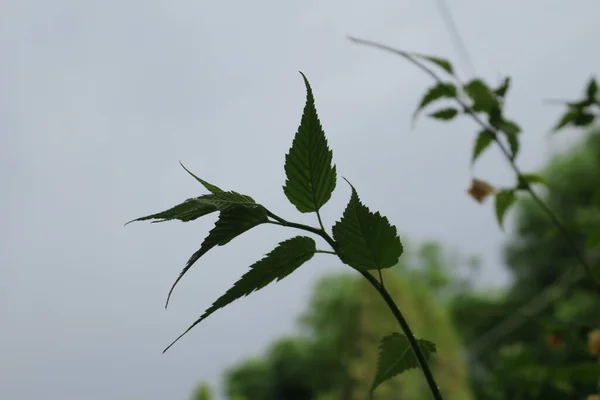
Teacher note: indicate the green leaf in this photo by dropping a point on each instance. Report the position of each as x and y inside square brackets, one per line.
[592, 89]
[211, 188]
[366, 240]
[482, 96]
[437, 92]
[504, 200]
[567, 119]
[510, 127]
[526, 179]
[513, 142]
[192, 209]
[440, 62]
[311, 178]
[279, 263]
[189, 210]
[592, 240]
[232, 222]
[396, 356]
[503, 88]
[445, 114]
[583, 118]
[483, 141]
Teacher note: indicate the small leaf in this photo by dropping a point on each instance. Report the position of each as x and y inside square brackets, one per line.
[583, 118]
[396, 356]
[513, 142]
[437, 92]
[592, 90]
[211, 188]
[366, 240]
[527, 179]
[483, 98]
[232, 222]
[311, 178]
[503, 88]
[510, 127]
[279, 263]
[504, 200]
[566, 119]
[440, 62]
[445, 114]
[480, 190]
[483, 141]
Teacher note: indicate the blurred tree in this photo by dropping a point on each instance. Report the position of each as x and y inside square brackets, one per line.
[202, 392]
[537, 359]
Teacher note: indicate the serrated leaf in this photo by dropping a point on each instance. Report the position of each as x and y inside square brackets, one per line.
[440, 62]
[192, 209]
[279, 263]
[232, 222]
[483, 141]
[504, 200]
[396, 356]
[527, 179]
[445, 114]
[311, 177]
[482, 96]
[210, 187]
[189, 210]
[436, 92]
[366, 240]
[503, 88]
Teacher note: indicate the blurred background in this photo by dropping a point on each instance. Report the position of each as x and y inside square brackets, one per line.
[100, 100]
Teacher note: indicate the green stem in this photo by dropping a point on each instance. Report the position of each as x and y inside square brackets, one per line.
[384, 294]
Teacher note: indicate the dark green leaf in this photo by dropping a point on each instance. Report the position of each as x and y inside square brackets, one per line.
[592, 89]
[482, 96]
[503, 89]
[279, 263]
[211, 188]
[592, 240]
[504, 200]
[189, 210]
[437, 92]
[510, 127]
[311, 178]
[232, 222]
[396, 356]
[581, 372]
[366, 240]
[583, 119]
[513, 142]
[484, 139]
[596, 200]
[192, 209]
[526, 179]
[445, 114]
[440, 62]
[566, 119]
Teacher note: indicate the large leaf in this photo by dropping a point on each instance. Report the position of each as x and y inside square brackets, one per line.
[311, 178]
[483, 98]
[192, 209]
[396, 356]
[232, 222]
[504, 200]
[210, 187]
[436, 92]
[366, 240]
[483, 141]
[279, 263]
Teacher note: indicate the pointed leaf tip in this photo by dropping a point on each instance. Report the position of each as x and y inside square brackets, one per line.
[366, 240]
[288, 256]
[310, 173]
[210, 187]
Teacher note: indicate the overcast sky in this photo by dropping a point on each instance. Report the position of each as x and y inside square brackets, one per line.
[99, 100]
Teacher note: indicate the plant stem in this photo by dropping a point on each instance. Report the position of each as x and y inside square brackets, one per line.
[555, 220]
[409, 334]
[384, 294]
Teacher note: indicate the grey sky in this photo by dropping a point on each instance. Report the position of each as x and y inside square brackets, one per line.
[99, 100]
